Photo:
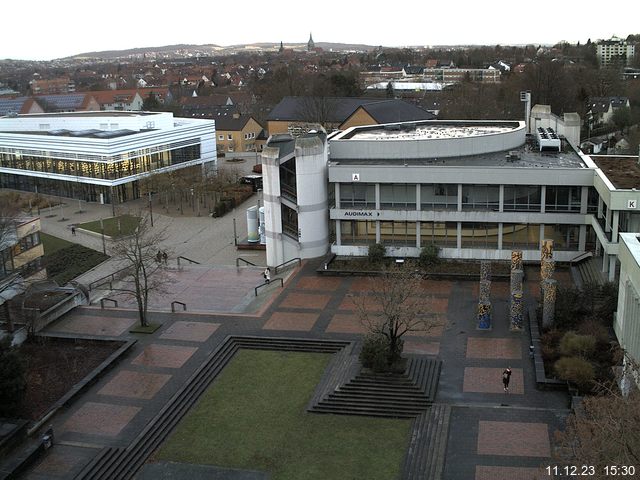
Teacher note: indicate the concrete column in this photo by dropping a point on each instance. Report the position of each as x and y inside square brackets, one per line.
[614, 226]
[612, 267]
[582, 238]
[541, 235]
[501, 201]
[607, 221]
[543, 197]
[598, 247]
[418, 239]
[500, 236]
[605, 262]
[337, 194]
[584, 200]
[459, 198]
[600, 204]
[377, 231]
[338, 233]
[377, 196]
[418, 200]
[459, 235]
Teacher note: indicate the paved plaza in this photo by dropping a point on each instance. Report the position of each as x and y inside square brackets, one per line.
[492, 434]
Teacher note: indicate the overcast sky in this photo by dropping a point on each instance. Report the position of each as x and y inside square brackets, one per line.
[47, 29]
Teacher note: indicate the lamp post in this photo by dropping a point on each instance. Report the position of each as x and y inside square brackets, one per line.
[150, 209]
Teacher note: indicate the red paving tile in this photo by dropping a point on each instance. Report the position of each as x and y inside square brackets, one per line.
[434, 329]
[190, 331]
[421, 348]
[500, 290]
[59, 461]
[100, 419]
[485, 472]
[135, 384]
[437, 287]
[91, 325]
[167, 356]
[329, 284]
[489, 380]
[302, 322]
[345, 324]
[513, 439]
[305, 300]
[350, 302]
[498, 348]
[363, 284]
[438, 305]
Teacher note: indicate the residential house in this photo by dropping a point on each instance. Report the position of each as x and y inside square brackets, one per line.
[601, 109]
[614, 51]
[237, 133]
[19, 105]
[72, 102]
[52, 86]
[300, 114]
[124, 100]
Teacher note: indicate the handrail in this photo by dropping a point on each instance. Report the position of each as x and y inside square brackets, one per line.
[106, 279]
[102, 300]
[297, 259]
[268, 283]
[240, 259]
[173, 306]
[187, 259]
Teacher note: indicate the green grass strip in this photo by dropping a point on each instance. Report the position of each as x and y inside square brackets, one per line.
[253, 417]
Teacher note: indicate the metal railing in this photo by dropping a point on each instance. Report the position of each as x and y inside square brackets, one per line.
[187, 259]
[102, 300]
[268, 283]
[173, 306]
[107, 279]
[240, 259]
[286, 264]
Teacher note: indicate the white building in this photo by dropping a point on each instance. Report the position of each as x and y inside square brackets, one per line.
[99, 156]
[614, 51]
[476, 189]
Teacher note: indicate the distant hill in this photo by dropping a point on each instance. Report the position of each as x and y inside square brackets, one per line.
[187, 50]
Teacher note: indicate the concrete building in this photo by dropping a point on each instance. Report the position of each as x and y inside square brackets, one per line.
[99, 156]
[614, 51]
[476, 189]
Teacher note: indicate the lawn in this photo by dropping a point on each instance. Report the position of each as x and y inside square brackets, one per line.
[253, 417]
[114, 226]
[65, 260]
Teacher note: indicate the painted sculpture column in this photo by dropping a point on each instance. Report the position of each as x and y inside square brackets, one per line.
[516, 311]
[484, 300]
[549, 302]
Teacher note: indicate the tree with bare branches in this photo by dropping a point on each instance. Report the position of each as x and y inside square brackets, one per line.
[10, 279]
[394, 306]
[144, 267]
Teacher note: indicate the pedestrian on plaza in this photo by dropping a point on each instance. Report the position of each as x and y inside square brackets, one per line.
[159, 257]
[267, 275]
[164, 257]
[73, 230]
[506, 377]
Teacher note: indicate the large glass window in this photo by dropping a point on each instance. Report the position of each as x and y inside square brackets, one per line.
[565, 237]
[562, 199]
[398, 233]
[361, 195]
[399, 196]
[522, 198]
[355, 232]
[521, 236]
[592, 201]
[289, 221]
[440, 234]
[288, 186]
[441, 196]
[480, 197]
[480, 235]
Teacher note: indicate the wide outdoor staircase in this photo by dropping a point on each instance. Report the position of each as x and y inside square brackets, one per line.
[589, 271]
[122, 463]
[380, 395]
[427, 447]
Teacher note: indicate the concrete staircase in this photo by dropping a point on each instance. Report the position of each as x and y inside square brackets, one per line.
[589, 271]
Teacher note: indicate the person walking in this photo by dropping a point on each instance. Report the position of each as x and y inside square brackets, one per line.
[165, 257]
[506, 377]
[73, 230]
[267, 275]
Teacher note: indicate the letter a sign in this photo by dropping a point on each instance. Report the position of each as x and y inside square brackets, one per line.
[355, 177]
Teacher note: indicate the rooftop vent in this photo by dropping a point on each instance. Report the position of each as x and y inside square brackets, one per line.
[548, 139]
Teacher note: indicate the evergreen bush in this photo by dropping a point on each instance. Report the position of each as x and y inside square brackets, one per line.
[376, 253]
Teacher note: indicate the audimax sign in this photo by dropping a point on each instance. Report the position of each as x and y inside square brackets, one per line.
[362, 213]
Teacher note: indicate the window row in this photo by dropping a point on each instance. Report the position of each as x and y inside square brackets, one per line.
[108, 171]
[521, 198]
[26, 243]
[472, 235]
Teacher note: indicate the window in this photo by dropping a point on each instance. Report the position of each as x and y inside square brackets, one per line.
[229, 136]
[399, 196]
[562, 199]
[480, 197]
[439, 196]
[479, 235]
[565, 237]
[440, 234]
[398, 233]
[361, 195]
[521, 236]
[289, 221]
[522, 198]
[220, 137]
[354, 232]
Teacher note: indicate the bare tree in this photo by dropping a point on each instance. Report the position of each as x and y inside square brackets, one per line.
[10, 279]
[394, 306]
[144, 266]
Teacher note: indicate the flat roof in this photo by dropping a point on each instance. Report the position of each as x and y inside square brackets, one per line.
[95, 113]
[526, 156]
[90, 133]
[431, 130]
[623, 172]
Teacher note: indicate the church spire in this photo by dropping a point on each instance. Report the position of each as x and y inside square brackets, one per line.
[310, 45]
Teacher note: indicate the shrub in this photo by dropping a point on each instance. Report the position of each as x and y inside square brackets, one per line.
[13, 383]
[377, 252]
[375, 352]
[575, 370]
[593, 326]
[429, 255]
[573, 344]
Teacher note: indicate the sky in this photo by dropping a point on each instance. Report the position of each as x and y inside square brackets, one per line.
[46, 29]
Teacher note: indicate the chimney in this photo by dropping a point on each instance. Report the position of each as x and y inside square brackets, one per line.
[236, 115]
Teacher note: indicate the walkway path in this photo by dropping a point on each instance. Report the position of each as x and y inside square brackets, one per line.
[493, 435]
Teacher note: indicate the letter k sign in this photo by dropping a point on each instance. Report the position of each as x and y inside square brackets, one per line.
[632, 204]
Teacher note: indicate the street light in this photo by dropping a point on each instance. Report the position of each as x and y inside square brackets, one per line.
[150, 209]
